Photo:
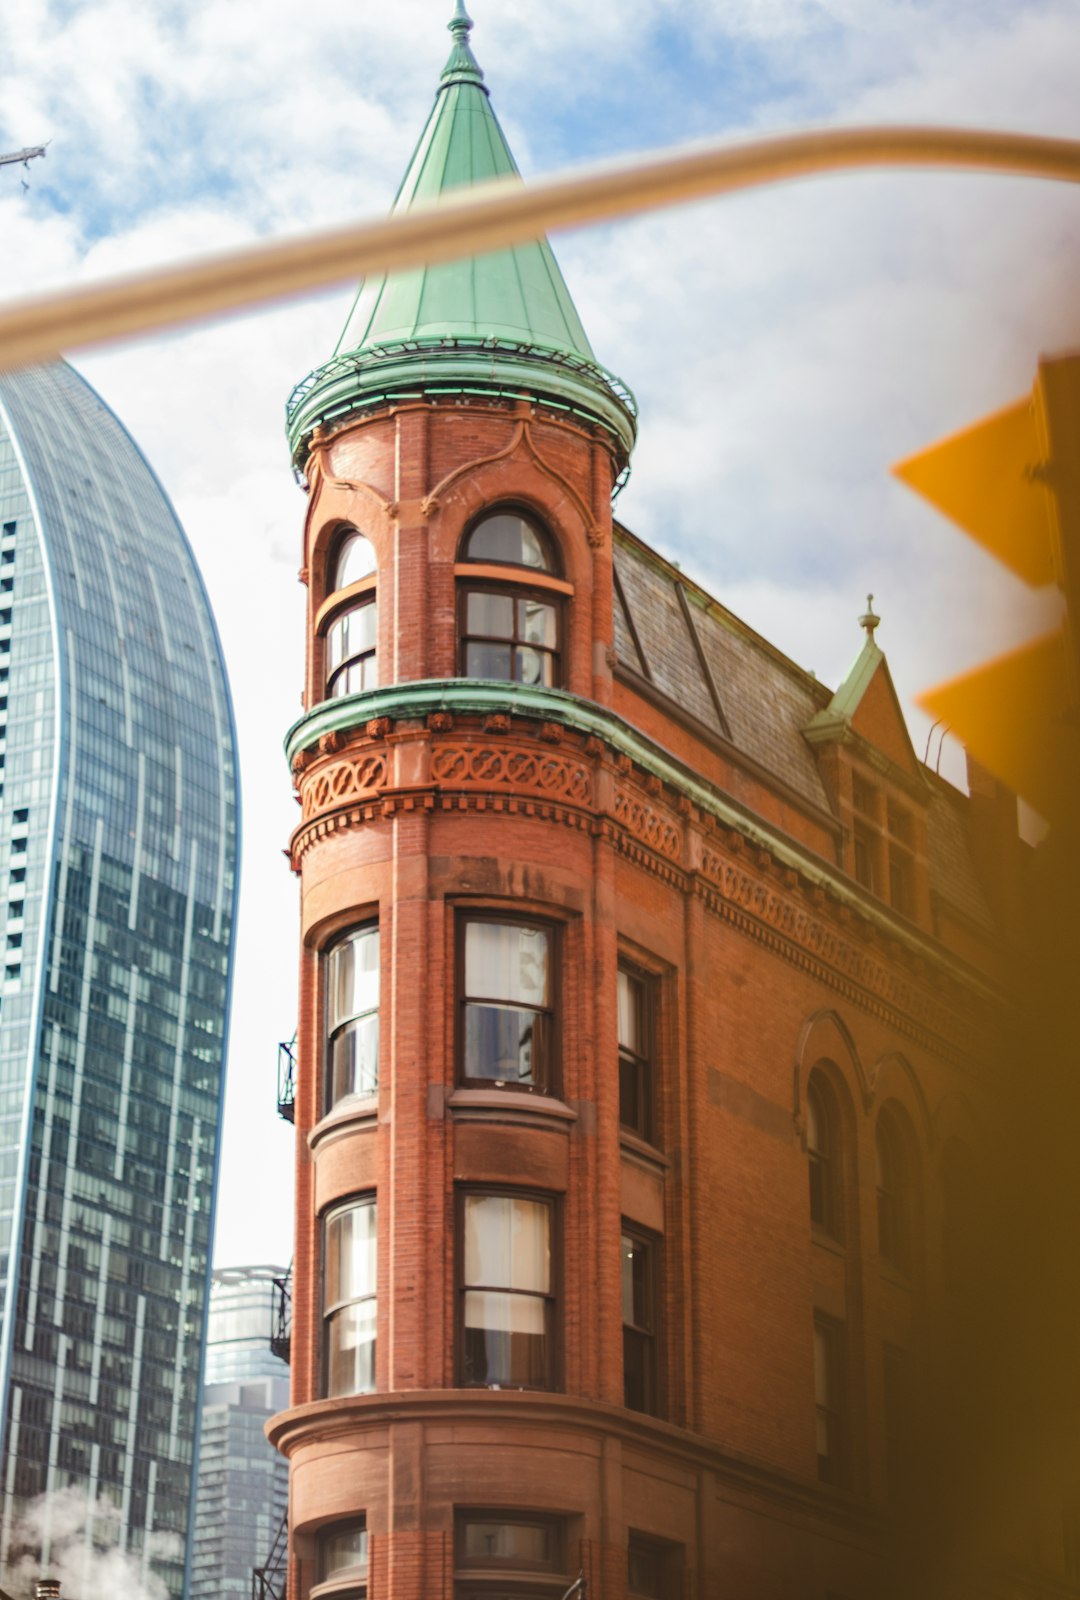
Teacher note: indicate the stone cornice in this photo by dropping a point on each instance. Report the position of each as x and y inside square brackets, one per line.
[570, 1418]
[377, 710]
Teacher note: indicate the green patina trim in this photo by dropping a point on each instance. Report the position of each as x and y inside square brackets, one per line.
[416, 701]
[503, 321]
[446, 364]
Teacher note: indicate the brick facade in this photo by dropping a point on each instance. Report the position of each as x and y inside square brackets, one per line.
[625, 813]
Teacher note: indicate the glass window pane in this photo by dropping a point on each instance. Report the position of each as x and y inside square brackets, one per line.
[506, 1243]
[508, 1541]
[350, 1254]
[534, 667]
[537, 623]
[342, 1550]
[354, 1059]
[489, 661]
[505, 1339]
[355, 560]
[351, 1349]
[629, 1012]
[491, 615]
[353, 976]
[635, 1283]
[506, 1044]
[507, 537]
[506, 962]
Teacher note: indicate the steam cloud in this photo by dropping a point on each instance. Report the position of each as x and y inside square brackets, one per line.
[64, 1535]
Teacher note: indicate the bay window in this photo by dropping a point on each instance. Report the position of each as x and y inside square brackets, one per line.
[507, 1292]
[352, 1016]
[507, 1008]
[349, 1298]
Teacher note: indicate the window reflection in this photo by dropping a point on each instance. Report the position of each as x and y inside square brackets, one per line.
[352, 999]
[353, 560]
[507, 1005]
[351, 664]
[349, 1303]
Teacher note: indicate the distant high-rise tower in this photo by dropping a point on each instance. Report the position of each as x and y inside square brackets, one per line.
[243, 1484]
[118, 857]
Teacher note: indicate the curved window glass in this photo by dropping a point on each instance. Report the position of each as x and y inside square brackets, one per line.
[343, 1558]
[350, 650]
[510, 637]
[507, 1003]
[353, 559]
[512, 540]
[509, 633]
[349, 1283]
[352, 1016]
[508, 1292]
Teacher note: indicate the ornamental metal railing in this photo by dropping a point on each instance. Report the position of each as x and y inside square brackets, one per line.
[281, 1317]
[286, 1080]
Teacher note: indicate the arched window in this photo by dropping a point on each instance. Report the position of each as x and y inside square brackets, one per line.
[894, 1196]
[351, 663]
[353, 559]
[823, 1157]
[510, 631]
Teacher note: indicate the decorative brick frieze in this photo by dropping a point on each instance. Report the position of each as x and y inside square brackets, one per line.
[343, 782]
[512, 768]
[648, 824]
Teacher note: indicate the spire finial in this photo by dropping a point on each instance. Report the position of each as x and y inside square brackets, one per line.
[869, 620]
[462, 66]
[460, 24]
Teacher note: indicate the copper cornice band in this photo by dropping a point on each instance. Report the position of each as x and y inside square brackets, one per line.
[492, 217]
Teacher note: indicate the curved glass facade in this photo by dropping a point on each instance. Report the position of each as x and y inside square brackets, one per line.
[118, 865]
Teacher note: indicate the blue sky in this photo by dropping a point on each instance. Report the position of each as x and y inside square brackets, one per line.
[785, 346]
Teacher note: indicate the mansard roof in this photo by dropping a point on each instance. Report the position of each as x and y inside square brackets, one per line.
[706, 665]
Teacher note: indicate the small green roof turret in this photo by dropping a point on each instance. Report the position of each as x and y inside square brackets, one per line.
[502, 323]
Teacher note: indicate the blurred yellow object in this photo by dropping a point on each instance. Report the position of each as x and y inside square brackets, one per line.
[1012, 481]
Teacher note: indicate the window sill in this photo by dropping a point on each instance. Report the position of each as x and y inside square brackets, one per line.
[356, 1112]
[827, 1241]
[510, 1105]
[349, 1584]
[642, 1151]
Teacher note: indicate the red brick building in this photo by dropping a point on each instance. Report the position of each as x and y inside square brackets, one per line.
[644, 983]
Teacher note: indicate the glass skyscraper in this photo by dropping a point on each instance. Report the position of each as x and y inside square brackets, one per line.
[118, 867]
[243, 1483]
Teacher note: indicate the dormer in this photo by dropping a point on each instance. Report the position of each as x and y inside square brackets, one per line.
[875, 782]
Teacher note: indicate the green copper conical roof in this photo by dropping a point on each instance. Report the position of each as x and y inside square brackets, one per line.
[500, 323]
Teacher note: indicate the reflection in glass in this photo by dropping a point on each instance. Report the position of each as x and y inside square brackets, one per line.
[355, 560]
[351, 664]
[507, 1032]
[520, 1543]
[510, 638]
[509, 538]
[349, 1302]
[490, 614]
[352, 986]
[343, 1550]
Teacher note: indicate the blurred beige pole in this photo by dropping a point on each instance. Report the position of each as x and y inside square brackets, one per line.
[491, 217]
